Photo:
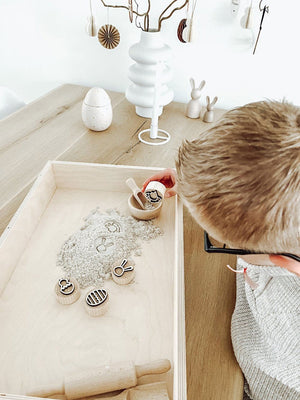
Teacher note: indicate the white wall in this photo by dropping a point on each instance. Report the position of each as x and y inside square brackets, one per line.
[43, 44]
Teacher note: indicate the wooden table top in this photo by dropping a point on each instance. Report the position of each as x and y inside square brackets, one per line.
[51, 128]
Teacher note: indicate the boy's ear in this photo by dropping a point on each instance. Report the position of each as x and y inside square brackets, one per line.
[285, 262]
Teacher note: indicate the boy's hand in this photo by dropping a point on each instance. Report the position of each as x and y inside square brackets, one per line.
[168, 178]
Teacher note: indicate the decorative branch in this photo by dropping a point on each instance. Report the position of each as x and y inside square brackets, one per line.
[146, 16]
[161, 18]
[127, 8]
[146, 23]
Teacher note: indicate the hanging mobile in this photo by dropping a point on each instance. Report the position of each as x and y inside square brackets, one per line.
[108, 35]
[264, 10]
[91, 25]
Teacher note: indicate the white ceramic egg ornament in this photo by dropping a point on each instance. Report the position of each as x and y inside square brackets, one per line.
[96, 110]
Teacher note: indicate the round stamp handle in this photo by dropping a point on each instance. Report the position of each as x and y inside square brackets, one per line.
[154, 367]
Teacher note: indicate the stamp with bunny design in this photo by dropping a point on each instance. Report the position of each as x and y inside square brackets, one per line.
[123, 272]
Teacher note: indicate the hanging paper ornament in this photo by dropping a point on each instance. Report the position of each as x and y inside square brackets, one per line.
[180, 29]
[109, 36]
[184, 30]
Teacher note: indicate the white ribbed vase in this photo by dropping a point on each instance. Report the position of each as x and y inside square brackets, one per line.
[146, 53]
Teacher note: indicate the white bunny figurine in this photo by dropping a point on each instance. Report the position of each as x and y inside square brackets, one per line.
[194, 107]
[209, 114]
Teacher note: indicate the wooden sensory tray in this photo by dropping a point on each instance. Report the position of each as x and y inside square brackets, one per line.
[42, 340]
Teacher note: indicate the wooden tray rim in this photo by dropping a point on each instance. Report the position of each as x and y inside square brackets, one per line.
[179, 347]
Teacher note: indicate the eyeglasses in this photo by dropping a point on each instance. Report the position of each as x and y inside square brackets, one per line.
[210, 248]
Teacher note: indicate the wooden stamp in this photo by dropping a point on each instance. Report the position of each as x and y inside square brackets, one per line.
[96, 302]
[123, 273]
[67, 290]
[155, 191]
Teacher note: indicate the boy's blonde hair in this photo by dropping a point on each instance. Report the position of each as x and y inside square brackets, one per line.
[242, 176]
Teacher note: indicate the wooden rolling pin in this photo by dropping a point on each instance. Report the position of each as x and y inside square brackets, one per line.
[151, 391]
[102, 380]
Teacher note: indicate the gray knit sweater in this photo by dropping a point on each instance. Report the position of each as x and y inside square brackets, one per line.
[265, 332]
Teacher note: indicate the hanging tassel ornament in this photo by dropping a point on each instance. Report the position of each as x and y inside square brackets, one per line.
[247, 278]
[246, 20]
[91, 25]
[130, 10]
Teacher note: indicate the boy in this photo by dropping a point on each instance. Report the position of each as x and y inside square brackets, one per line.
[241, 182]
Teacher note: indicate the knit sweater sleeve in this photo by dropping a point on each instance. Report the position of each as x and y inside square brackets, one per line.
[265, 332]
